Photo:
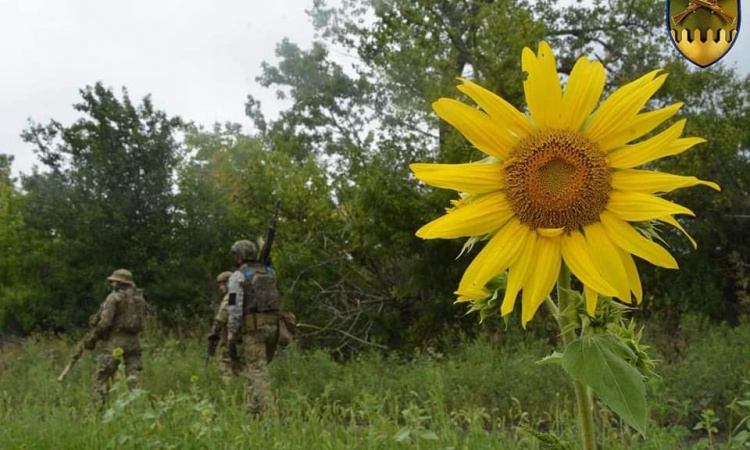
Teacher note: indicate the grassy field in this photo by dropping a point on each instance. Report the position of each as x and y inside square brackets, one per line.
[477, 396]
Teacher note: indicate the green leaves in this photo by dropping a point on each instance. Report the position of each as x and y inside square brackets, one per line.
[600, 363]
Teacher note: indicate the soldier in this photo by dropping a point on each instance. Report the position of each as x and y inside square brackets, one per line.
[227, 366]
[119, 321]
[252, 323]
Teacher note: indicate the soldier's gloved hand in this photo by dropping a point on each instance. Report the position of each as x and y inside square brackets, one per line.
[214, 330]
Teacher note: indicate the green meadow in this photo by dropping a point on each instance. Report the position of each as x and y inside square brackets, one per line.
[476, 395]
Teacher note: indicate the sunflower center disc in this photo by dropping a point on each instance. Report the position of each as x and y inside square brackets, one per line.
[557, 179]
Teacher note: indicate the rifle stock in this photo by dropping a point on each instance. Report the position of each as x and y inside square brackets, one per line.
[727, 18]
[680, 16]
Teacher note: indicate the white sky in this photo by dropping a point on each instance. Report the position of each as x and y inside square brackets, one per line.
[198, 59]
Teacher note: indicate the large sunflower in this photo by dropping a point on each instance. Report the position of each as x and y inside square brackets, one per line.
[559, 183]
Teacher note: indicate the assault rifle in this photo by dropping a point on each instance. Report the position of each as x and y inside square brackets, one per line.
[265, 254]
[213, 342]
[81, 346]
[77, 353]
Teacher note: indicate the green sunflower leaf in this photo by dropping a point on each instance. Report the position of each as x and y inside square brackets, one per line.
[599, 362]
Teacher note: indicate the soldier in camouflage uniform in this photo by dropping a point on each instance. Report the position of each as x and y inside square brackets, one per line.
[227, 366]
[119, 321]
[252, 324]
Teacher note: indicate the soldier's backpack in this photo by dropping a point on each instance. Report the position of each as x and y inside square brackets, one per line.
[261, 294]
[133, 312]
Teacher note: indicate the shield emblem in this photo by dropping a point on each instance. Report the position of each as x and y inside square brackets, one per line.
[703, 30]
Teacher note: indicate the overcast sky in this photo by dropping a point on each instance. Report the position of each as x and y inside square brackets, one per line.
[198, 59]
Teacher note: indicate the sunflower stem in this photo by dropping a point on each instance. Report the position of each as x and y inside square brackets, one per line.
[553, 308]
[584, 404]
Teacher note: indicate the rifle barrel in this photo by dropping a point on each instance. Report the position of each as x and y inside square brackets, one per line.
[265, 256]
[65, 372]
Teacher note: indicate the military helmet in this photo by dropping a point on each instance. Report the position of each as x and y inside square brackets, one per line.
[223, 277]
[122, 276]
[246, 250]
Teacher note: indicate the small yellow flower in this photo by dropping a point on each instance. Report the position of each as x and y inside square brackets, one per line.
[194, 379]
[118, 352]
[560, 184]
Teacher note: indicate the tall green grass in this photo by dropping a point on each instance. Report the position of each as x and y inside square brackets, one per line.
[477, 396]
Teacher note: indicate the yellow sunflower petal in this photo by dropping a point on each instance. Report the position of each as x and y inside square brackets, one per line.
[672, 221]
[642, 124]
[482, 216]
[476, 126]
[576, 254]
[635, 155]
[499, 253]
[500, 110]
[625, 159]
[627, 238]
[619, 110]
[471, 294]
[632, 273]
[542, 278]
[648, 182]
[550, 232]
[542, 86]
[518, 273]
[607, 261]
[473, 178]
[637, 207]
[582, 93]
[592, 298]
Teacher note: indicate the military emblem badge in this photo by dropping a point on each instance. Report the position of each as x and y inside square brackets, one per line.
[703, 30]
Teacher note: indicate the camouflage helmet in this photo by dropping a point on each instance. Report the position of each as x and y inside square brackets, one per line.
[246, 250]
[223, 277]
[122, 276]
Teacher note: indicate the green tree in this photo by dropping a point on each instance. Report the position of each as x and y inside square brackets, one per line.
[11, 244]
[713, 278]
[105, 202]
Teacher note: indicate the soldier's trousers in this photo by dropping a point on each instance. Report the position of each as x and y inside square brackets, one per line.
[253, 366]
[228, 367]
[107, 368]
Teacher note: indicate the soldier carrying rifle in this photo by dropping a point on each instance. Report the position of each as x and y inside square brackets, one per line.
[116, 325]
[218, 335]
[255, 328]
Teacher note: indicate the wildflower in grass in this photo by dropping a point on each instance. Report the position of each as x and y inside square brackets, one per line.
[194, 379]
[560, 184]
[118, 352]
